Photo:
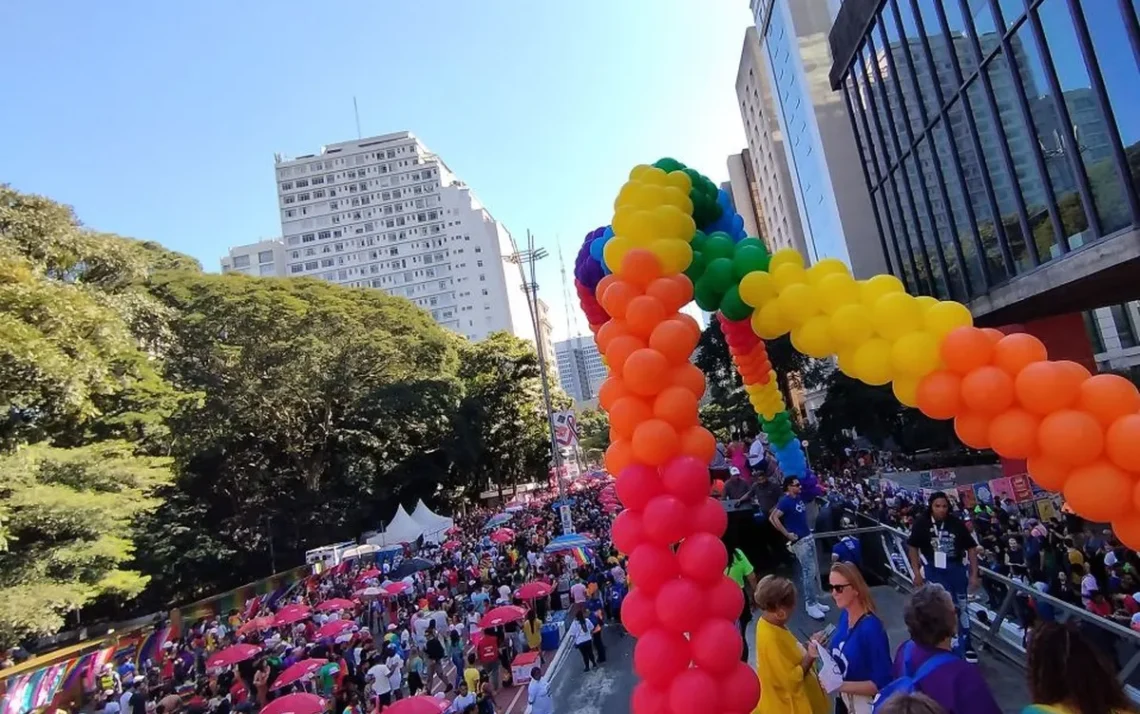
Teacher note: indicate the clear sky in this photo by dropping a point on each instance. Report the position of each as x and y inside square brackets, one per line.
[159, 120]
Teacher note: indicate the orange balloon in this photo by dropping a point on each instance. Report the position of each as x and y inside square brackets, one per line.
[640, 267]
[1108, 397]
[1013, 352]
[939, 395]
[678, 406]
[627, 413]
[1076, 371]
[973, 429]
[964, 349]
[607, 332]
[675, 340]
[1127, 528]
[617, 298]
[1013, 434]
[1099, 491]
[698, 442]
[988, 390]
[690, 377]
[689, 321]
[646, 372]
[1050, 474]
[611, 390]
[603, 284]
[618, 456]
[643, 314]
[674, 291]
[620, 348]
[1045, 387]
[993, 335]
[655, 442]
[1122, 442]
[1071, 436]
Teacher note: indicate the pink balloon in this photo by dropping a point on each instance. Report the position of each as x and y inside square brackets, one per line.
[660, 655]
[694, 690]
[710, 517]
[686, 478]
[638, 612]
[702, 557]
[666, 520]
[651, 566]
[739, 689]
[679, 605]
[648, 699]
[637, 484]
[725, 599]
[716, 645]
[627, 531]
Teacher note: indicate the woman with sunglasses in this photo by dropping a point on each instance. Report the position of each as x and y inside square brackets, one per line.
[859, 645]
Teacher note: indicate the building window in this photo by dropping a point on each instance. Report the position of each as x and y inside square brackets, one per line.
[241, 261]
[265, 256]
[1121, 318]
[1092, 326]
[296, 268]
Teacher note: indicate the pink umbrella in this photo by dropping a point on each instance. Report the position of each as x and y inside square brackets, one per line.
[334, 628]
[374, 591]
[452, 545]
[370, 573]
[454, 530]
[503, 535]
[502, 615]
[256, 625]
[298, 671]
[292, 613]
[337, 603]
[231, 656]
[421, 704]
[534, 590]
[295, 704]
[396, 588]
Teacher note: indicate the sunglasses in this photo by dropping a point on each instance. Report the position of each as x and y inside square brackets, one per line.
[838, 588]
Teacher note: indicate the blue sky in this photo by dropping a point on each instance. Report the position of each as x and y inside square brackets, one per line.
[160, 120]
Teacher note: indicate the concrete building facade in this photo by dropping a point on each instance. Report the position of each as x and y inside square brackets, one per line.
[580, 368]
[264, 258]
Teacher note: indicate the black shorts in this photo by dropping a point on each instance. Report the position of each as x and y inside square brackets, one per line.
[384, 699]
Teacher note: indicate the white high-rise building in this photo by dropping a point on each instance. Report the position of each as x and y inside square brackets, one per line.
[264, 258]
[385, 212]
[580, 368]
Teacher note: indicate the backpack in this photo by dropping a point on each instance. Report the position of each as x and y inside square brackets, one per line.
[908, 683]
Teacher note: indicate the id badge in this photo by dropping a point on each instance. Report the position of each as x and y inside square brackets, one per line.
[940, 560]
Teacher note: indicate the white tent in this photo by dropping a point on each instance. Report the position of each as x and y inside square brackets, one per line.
[402, 529]
[435, 526]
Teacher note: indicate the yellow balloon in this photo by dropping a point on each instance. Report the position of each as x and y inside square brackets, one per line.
[626, 195]
[797, 302]
[623, 220]
[895, 315]
[638, 171]
[851, 326]
[813, 338]
[835, 291]
[845, 360]
[925, 302]
[785, 256]
[873, 361]
[826, 267]
[675, 255]
[675, 223]
[654, 176]
[945, 316]
[906, 390]
[874, 288]
[915, 354]
[615, 251]
[767, 322]
[680, 180]
[675, 197]
[643, 228]
[788, 274]
[757, 288]
[753, 389]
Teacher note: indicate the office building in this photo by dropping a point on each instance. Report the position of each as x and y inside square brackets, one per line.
[385, 212]
[546, 341]
[783, 83]
[580, 368]
[265, 258]
[1115, 335]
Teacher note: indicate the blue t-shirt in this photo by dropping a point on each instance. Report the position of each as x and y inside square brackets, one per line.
[794, 516]
[862, 653]
[848, 550]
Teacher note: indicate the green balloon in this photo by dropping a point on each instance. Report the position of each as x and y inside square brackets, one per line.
[747, 260]
[719, 245]
[718, 273]
[696, 268]
[668, 164]
[732, 307]
[706, 296]
[698, 241]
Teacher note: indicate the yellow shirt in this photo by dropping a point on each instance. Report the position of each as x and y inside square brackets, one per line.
[533, 633]
[471, 676]
[783, 687]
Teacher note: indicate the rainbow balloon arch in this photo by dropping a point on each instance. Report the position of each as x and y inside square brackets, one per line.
[675, 237]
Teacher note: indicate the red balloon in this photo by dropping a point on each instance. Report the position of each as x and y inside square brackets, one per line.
[710, 517]
[686, 478]
[716, 645]
[666, 519]
[637, 484]
[702, 557]
[693, 690]
[679, 605]
[739, 689]
[627, 531]
[660, 655]
[638, 612]
[725, 599]
[648, 699]
[651, 566]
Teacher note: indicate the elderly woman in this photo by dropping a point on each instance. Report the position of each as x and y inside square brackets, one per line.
[955, 684]
[788, 683]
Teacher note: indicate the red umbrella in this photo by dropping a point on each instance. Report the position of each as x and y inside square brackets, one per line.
[298, 671]
[337, 603]
[421, 704]
[454, 530]
[501, 615]
[256, 625]
[231, 656]
[452, 545]
[374, 591]
[396, 588]
[334, 628]
[503, 535]
[295, 704]
[370, 573]
[534, 590]
[291, 613]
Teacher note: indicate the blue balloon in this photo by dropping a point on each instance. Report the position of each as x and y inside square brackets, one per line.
[608, 232]
[737, 222]
[596, 248]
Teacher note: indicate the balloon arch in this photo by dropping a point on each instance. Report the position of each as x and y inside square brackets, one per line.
[675, 237]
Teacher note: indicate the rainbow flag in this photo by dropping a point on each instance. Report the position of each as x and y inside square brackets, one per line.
[580, 555]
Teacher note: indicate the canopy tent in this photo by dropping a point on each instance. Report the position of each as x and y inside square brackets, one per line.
[402, 529]
[434, 525]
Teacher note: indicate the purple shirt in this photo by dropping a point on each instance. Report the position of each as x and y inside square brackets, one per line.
[958, 686]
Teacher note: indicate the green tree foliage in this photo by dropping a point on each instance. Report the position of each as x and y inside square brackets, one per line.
[593, 430]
